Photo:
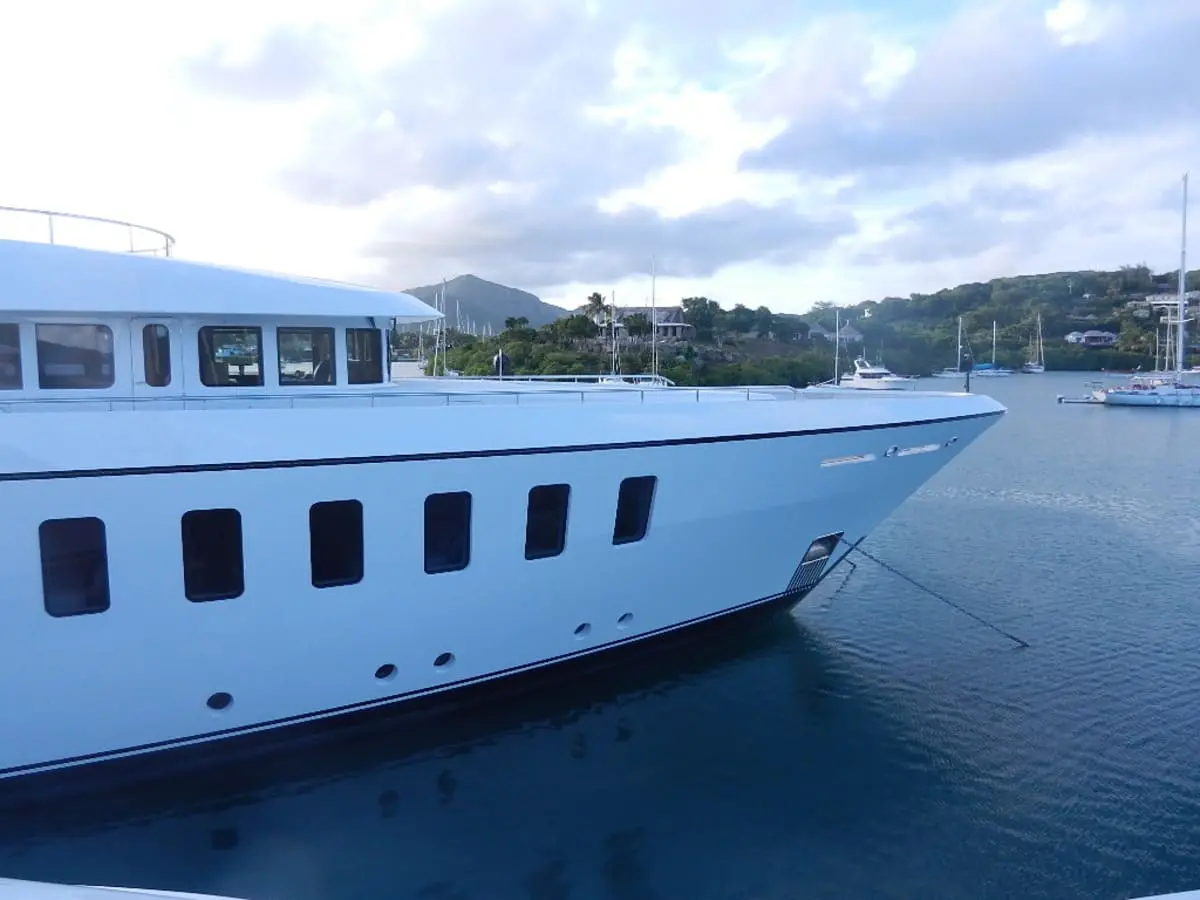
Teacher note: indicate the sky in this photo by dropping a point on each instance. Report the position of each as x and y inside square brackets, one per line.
[776, 152]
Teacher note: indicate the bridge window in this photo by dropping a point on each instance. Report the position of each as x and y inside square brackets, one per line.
[306, 356]
[74, 566]
[213, 567]
[364, 355]
[156, 354]
[447, 532]
[10, 357]
[335, 538]
[230, 356]
[633, 509]
[546, 520]
[74, 357]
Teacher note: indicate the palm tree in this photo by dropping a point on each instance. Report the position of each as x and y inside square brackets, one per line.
[597, 311]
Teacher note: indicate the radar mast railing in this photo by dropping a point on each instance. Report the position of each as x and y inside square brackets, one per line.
[164, 242]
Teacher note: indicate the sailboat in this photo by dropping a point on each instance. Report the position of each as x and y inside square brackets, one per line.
[1037, 353]
[991, 370]
[956, 370]
[1165, 388]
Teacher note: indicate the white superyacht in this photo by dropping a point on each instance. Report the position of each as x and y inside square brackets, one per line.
[223, 518]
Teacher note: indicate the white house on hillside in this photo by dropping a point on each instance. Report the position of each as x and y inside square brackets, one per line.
[816, 331]
[850, 334]
[669, 320]
[1091, 338]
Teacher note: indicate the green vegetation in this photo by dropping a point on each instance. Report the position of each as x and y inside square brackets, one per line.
[720, 355]
[914, 335]
[918, 334]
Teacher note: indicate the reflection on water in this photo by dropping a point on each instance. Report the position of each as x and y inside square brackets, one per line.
[662, 783]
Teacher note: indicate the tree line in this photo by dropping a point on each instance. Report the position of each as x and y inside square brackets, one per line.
[913, 335]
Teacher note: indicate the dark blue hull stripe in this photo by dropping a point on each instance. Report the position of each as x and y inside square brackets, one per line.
[48, 475]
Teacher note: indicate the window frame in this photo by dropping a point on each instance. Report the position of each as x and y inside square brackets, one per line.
[99, 549]
[19, 358]
[201, 359]
[464, 559]
[359, 539]
[162, 358]
[645, 509]
[229, 593]
[98, 328]
[561, 508]
[312, 330]
[380, 352]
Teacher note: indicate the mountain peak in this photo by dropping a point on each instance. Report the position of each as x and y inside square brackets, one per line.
[485, 302]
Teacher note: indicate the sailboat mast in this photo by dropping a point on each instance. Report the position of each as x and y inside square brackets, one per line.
[653, 320]
[612, 320]
[958, 359]
[837, 346]
[1180, 340]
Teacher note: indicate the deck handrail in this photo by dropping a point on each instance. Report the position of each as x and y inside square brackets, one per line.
[168, 241]
[392, 397]
[601, 378]
[380, 398]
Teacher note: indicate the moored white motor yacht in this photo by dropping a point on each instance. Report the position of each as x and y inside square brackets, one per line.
[875, 377]
[222, 518]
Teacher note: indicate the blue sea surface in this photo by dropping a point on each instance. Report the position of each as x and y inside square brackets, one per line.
[876, 743]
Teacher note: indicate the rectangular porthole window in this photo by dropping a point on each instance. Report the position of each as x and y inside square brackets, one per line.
[75, 357]
[447, 532]
[546, 521]
[156, 355]
[213, 567]
[364, 356]
[335, 543]
[230, 356]
[10, 357]
[306, 356]
[74, 566]
[634, 502]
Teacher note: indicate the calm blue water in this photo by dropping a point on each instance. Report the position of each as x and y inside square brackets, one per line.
[877, 744]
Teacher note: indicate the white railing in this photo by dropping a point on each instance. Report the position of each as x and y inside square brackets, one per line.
[659, 380]
[307, 399]
[385, 398]
[160, 243]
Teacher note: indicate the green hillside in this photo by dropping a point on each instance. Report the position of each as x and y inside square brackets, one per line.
[918, 333]
[915, 335]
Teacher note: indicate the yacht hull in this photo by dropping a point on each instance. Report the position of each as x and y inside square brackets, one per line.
[1167, 397]
[881, 384]
[733, 515]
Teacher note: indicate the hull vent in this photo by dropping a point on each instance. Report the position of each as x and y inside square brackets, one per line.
[813, 564]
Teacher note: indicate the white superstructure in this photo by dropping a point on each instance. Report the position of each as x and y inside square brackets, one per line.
[221, 516]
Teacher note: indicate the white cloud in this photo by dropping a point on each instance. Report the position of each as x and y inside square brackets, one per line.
[765, 153]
